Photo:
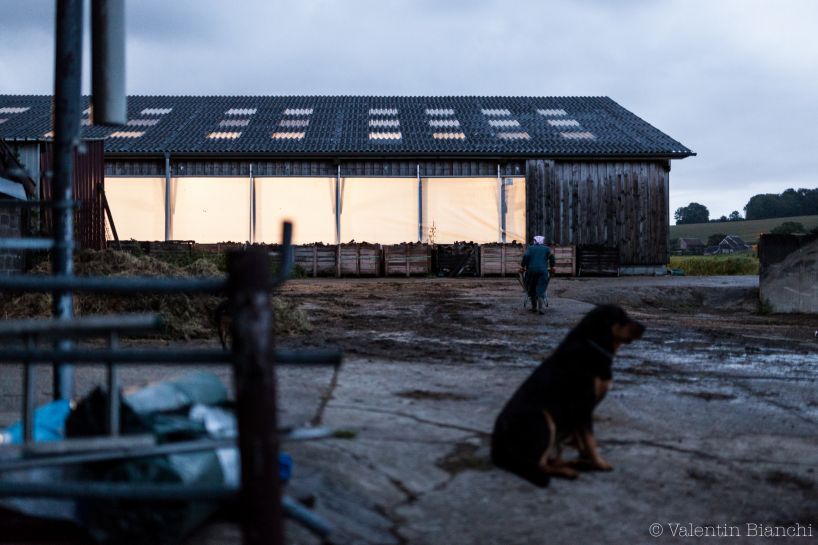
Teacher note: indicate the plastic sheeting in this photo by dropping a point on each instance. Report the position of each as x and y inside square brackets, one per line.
[461, 209]
[308, 202]
[137, 206]
[210, 210]
[515, 209]
[378, 210]
[381, 210]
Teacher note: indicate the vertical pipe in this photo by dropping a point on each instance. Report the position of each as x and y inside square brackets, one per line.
[168, 218]
[113, 387]
[252, 206]
[500, 214]
[108, 62]
[420, 206]
[338, 206]
[67, 106]
[29, 396]
[254, 372]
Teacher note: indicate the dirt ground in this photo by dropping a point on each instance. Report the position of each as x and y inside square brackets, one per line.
[713, 418]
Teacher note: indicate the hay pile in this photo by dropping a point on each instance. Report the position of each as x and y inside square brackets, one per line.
[187, 316]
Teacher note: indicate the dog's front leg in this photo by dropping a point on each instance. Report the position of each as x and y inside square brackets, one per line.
[591, 453]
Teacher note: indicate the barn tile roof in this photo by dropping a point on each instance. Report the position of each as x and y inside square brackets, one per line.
[361, 125]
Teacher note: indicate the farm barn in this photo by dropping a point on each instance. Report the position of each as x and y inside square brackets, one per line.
[584, 171]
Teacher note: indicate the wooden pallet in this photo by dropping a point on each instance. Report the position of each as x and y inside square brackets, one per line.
[598, 261]
[500, 259]
[359, 259]
[317, 259]
[407, 259]
[458, 259]
[566, 260]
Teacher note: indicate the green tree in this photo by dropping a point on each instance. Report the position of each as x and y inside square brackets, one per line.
[791, 202]
[789, 228]
[692, 213]
[735, 216]
[715, 239]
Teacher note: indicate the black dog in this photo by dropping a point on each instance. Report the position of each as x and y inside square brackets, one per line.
[555, 404]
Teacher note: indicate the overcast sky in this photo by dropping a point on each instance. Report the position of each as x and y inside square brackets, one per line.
[736, 81]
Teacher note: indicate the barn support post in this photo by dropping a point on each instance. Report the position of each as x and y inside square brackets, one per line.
[254, 372]
[501, 208]
[252, 206]
[420, 205]
[338, 206]
[67, 105]
[168, 217]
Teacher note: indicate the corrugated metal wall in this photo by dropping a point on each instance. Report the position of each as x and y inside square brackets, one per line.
[89, 175]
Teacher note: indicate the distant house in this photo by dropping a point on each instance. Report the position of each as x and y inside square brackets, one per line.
[732, 244]
[691, 245]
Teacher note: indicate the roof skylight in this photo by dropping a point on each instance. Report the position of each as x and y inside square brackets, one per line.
[553, 112]
[14, 109]
[284, 135]
[294, 123]
[240, 111]
[578, 135]
[444, 123]
[298, 111]
[385, 135]
[143, 122]
[126, 134]
[383, 111]
[234, 122]
[216, 135]
[439, 111]
[384, 123]
[563, 122]
[522, 135]
[495, 111]
[504, 123]
[156, 111]
[449, 135]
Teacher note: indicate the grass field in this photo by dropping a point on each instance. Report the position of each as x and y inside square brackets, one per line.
[747, 230]
[715, 265]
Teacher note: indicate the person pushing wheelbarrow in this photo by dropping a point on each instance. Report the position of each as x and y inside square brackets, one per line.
[536, 267]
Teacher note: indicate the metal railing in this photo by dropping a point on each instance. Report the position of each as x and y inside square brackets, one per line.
[253, 357]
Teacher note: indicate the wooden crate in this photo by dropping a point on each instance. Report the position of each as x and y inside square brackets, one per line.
[407, 259]
[359, 259]
[596, 260]
[458, 259]
[566, 260]
[317, 259]
[500, 259]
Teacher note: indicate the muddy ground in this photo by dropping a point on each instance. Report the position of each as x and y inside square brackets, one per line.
[713, 418]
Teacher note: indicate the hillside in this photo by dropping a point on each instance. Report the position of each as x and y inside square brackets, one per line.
[747, 230]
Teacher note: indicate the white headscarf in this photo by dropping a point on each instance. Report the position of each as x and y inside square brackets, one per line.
[539, 239]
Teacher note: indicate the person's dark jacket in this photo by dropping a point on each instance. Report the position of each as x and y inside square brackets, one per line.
[539, 259]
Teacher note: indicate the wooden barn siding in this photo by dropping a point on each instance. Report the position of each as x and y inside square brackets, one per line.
[621, 204]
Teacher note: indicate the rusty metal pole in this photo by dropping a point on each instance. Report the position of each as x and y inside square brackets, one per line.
[67, 106]
[249, 291]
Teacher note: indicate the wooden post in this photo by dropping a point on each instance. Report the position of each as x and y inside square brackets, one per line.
[260, 501]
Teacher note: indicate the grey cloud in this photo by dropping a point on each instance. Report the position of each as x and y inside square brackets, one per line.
[734, 79]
